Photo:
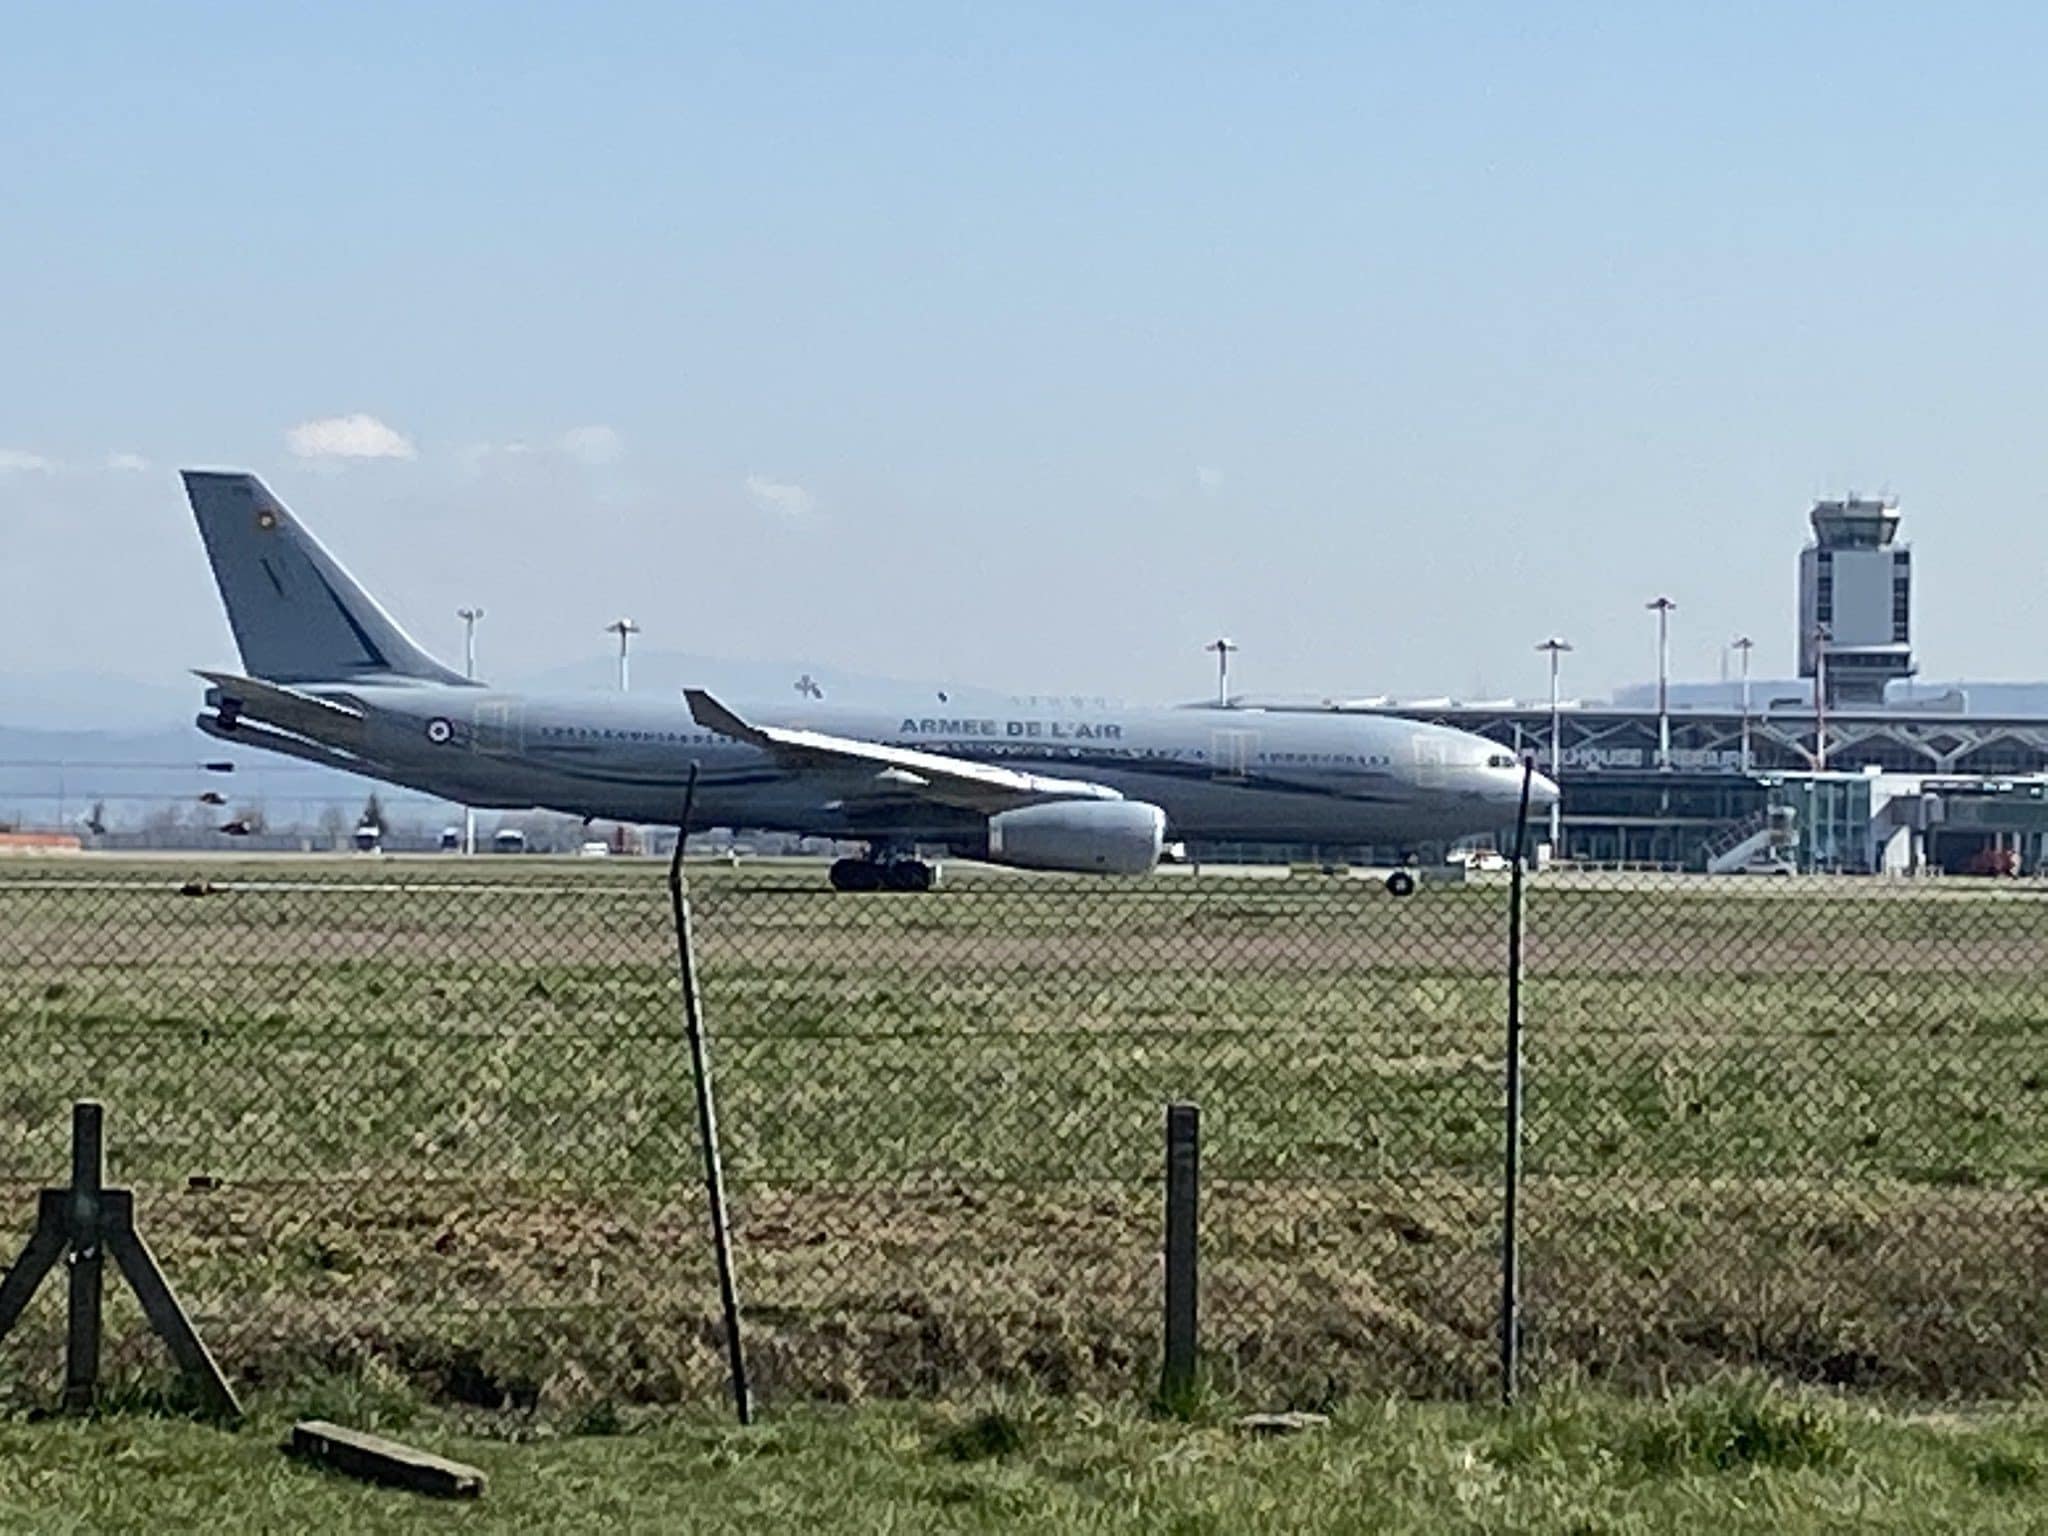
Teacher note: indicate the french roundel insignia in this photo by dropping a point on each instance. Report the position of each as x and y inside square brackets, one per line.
[440, 732]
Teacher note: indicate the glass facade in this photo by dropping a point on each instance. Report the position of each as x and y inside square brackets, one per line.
[1832, 817]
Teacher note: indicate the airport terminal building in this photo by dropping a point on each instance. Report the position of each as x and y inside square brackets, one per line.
[1869, 785]
[1973, 784]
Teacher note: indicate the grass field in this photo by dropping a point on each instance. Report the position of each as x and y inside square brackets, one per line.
[1731, 1458]
[435, 1117]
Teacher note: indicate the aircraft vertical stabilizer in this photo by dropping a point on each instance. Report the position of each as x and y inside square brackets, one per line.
[298, 617]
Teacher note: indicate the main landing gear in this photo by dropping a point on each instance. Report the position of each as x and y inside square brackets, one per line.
[883, 875]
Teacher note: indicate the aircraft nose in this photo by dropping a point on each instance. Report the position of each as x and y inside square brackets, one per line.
[1543, 792]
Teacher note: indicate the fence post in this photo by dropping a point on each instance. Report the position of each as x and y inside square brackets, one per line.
[84, 1222]
[1510, 1235]
[707, 1112]
[1183, 1175]
[86, 1257]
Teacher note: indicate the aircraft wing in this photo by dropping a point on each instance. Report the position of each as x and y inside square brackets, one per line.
[290, 709]
[985, 787]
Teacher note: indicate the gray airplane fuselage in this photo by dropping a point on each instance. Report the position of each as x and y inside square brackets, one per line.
[330, 677]
[1218, 773]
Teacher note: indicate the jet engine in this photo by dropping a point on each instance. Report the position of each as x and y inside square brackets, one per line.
[1096, 837]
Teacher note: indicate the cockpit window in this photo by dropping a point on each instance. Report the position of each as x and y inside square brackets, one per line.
[1501, 760]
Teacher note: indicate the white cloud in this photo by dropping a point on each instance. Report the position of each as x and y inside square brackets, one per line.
[131, 463]
[475, 458]
[1209, 479]
[779, 497]
[593, 445]
[360, 436]
[18, 461]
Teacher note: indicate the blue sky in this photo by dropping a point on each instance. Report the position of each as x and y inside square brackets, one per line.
[1031, 345]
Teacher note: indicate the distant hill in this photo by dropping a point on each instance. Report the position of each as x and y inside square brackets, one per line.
[669, 672]
[69, 740]
[53, 778]
[96, 701]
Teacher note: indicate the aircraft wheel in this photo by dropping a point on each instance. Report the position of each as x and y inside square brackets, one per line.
[907, 875]
[1400, 883]
[856, 875]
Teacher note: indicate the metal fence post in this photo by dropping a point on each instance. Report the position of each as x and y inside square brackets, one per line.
[707, 1111]
[1510, 1235]
[86, 1257]
[1183, 1174]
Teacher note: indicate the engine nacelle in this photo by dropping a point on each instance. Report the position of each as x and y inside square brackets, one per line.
[1095, 837]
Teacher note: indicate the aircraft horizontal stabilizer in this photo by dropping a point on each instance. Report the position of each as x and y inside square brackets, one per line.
[985, 787]
[305, 714]
[249, 734]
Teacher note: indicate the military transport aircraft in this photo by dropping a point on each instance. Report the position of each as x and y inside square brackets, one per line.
[333, 680]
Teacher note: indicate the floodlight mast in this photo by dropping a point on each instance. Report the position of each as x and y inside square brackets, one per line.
[1745, 645]
[1663, 606]
[1222, 645]
[1556, 647]
[625, 629]
[1821, 636]
[469, 616]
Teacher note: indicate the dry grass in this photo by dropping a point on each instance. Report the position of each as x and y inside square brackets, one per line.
[438, 1116]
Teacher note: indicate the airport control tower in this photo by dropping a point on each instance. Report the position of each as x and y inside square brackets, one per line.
[1855, 600]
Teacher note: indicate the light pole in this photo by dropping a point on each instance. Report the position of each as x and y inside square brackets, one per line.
[1556, 648]
[1663, 607]
[469, 616]
[1820, 698]
[1222, 646]
[1745, 645]
[625, 629]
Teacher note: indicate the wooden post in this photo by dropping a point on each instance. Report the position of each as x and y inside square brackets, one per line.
[1183, 1176]
[45, 1247]
[378, 1460]
[86, 1257]
[85, 1222]
[160, 1305]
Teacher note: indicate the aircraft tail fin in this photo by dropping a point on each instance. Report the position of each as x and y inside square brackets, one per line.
[298, 617]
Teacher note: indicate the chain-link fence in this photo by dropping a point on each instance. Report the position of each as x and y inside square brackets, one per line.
[433, 1120]
[1789, 1122]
